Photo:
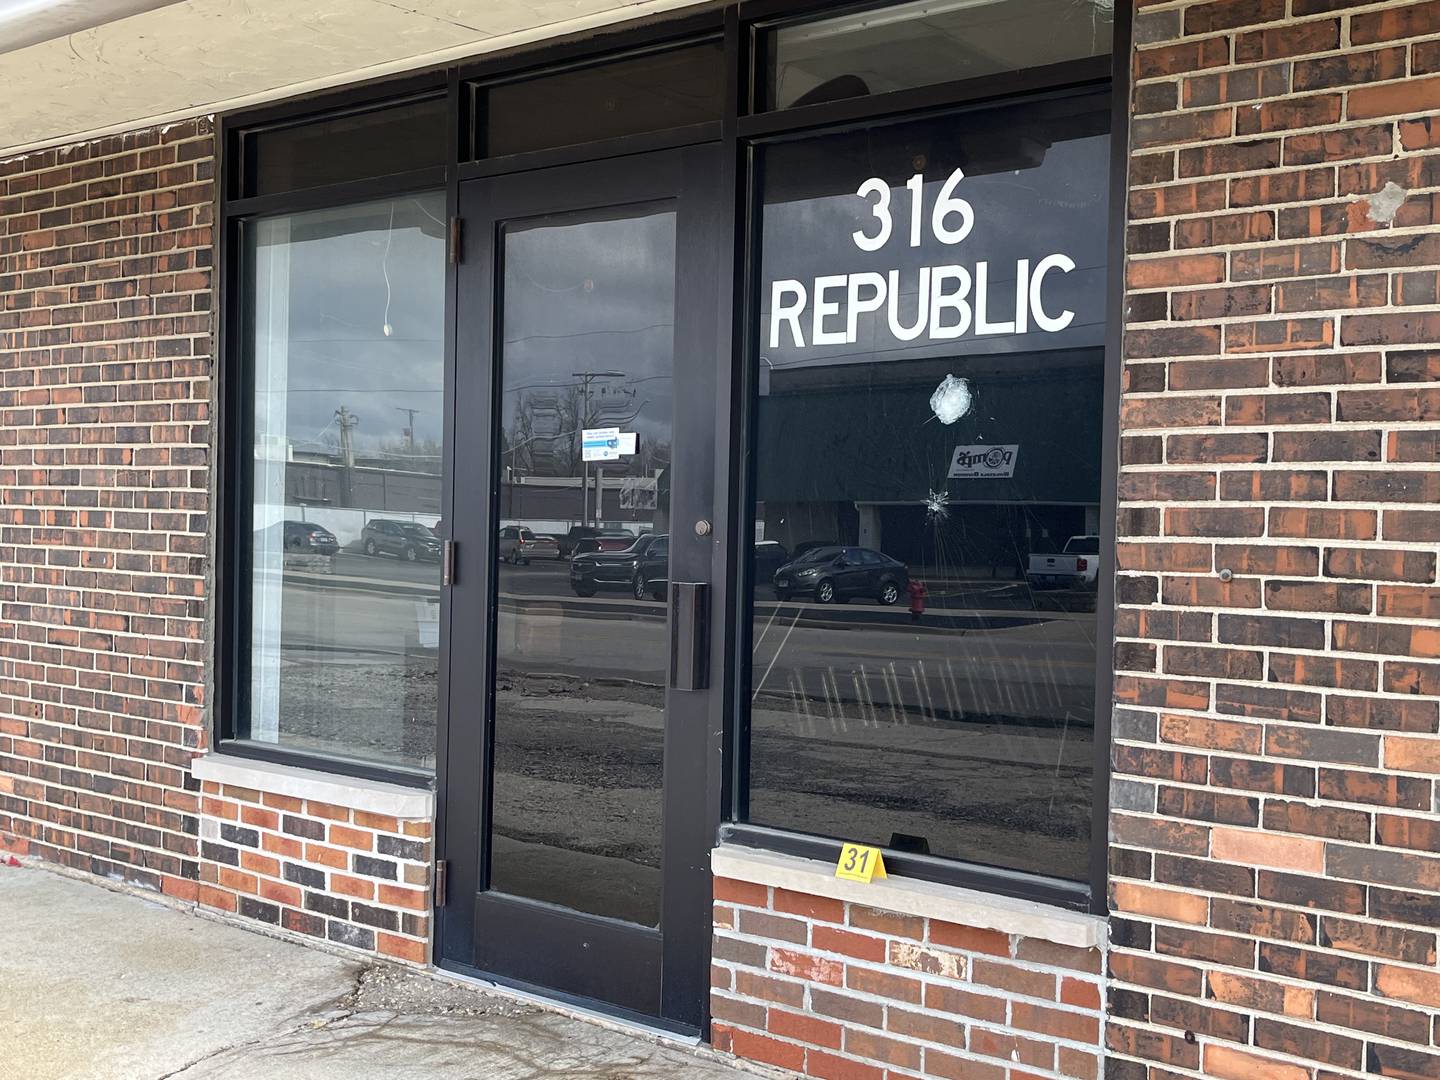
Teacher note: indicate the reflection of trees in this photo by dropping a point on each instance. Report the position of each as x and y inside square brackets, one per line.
[544, 433]
[544, 436]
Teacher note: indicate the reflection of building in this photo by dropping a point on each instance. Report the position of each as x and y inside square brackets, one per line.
[854, 454]
[371, 487]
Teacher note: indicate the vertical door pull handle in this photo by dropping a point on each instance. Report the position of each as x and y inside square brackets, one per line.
[447, 563]
[689, 635]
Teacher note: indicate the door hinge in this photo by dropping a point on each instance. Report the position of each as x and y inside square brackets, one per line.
[447, 563]
[457, 237]
[442, 871]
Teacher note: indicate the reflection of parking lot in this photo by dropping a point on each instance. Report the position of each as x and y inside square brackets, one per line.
[551, 578]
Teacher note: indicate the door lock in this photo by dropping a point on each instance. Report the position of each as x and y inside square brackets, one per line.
[703, 527]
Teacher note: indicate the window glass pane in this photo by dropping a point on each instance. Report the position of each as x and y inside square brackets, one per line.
[931, 41]
[928, 422]
[642, 93]
[348, 364]
[588, 325]
[379, 142]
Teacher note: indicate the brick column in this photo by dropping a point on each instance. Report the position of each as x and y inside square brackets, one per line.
[1274, 874]
[105, 323]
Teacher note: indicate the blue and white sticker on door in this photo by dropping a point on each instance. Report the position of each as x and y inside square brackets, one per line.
[606, 444]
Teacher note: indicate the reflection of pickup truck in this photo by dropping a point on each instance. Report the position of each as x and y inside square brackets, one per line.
[1077, 567]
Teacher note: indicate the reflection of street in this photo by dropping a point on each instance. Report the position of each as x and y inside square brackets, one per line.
[974, 727]
[358, 668]
[578, 795]
[551, 578]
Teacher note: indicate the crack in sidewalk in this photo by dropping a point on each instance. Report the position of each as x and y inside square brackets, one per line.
[337, 1004]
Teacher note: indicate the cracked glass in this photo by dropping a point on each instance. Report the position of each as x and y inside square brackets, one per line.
[928, 418]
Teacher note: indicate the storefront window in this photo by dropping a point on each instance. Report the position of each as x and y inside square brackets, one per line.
[902, 46]
[928, 485]
[346, 346]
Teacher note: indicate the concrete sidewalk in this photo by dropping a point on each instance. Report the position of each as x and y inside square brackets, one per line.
[104, 985]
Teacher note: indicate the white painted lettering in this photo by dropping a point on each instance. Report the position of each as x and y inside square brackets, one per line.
[1037, 282]
[982, 296]
[856, 306]
[940, 300]
[824, 309]
[781, 312]
[922, 307]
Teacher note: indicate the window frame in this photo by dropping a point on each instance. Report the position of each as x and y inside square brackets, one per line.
[742, 128]
[755, 128]
[234, 381]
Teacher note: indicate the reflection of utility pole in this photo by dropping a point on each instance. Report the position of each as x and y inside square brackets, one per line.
[586, 378]
[348, 421]
[409, 427]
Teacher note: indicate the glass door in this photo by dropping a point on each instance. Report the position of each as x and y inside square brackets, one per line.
[576, 777]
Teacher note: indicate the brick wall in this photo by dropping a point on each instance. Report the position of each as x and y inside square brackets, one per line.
[1274, 874]
[105, 256]
[313, 868]
[838, 990]
[105, 356]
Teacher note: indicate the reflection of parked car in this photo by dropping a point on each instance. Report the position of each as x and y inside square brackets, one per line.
[610, 540]
[407, 540]
[834, 574]
[643, 568]
[518, 545]
[1077, 567]
[306, 536]
[579, 539]
[770, 555]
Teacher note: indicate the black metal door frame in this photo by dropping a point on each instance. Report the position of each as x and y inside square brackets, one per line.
[659, 975]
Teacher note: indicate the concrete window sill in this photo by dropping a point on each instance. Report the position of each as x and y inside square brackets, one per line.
[371, 796]
[906, 896]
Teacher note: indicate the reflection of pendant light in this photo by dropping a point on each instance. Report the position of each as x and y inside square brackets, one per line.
[385, 327]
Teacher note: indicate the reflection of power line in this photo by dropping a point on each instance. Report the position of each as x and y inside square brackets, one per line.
[588, 333]
[345, 390]
[562, 385]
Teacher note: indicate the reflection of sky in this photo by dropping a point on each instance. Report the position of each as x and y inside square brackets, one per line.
[339, 304]
[593, 295]
[1057, 206]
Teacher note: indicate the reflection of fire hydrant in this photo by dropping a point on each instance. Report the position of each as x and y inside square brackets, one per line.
[916, 589]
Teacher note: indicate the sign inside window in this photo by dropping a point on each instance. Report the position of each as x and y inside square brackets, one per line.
[939, 303]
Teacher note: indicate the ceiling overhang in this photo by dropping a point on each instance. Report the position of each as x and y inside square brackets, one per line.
[174, 60]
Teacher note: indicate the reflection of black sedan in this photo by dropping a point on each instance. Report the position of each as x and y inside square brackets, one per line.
[408, 540]
[831, 574]
[643, 568]
[307, 536]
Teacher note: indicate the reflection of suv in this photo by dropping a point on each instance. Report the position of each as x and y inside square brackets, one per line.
[518, 545]
[832, 574]
[643, 568]
[407, 540]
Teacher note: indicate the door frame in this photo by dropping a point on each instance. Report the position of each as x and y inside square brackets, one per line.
[675, 958]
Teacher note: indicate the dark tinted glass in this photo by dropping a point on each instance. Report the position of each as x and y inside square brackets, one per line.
[642, 93]
[901, 46]
[588, 325]
[379, 142]
[346, 348]
[929, 415]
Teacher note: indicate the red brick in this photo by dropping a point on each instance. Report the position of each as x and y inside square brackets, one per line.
[762, 1048]
[806, 1029]
[969, 938]
[741, 892]
[819, 908]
